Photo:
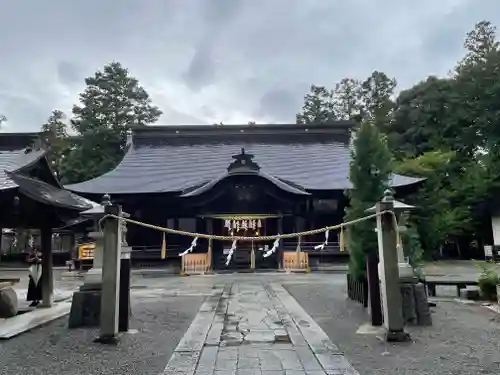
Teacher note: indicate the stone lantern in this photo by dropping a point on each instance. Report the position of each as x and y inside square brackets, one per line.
[86, 303]
[401, 210]
[93, 277]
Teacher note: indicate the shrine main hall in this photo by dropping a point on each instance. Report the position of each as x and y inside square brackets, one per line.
[241, 180]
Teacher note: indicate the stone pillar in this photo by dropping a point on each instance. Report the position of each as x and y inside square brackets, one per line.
[47, 278]
[389, 275]
[110, 295]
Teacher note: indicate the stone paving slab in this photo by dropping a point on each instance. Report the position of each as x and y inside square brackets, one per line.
[254, 328]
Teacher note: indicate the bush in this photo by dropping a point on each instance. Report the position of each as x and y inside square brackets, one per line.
[488, 281]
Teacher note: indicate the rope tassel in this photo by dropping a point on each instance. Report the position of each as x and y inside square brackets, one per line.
[322, 246]
[190, 248]
[342, 240]
[163, 247]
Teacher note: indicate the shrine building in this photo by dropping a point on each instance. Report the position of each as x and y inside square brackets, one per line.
[248, 180]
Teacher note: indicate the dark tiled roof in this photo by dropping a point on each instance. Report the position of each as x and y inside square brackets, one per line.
[18, 141]
[174, 159]
[48, 194]
[11, 161]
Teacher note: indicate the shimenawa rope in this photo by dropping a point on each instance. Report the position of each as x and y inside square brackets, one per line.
[259, 238]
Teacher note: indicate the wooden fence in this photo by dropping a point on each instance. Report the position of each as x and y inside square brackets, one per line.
[357, 290]
[296, 261]
[195, 264]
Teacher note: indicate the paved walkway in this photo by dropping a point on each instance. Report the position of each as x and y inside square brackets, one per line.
[255, 328]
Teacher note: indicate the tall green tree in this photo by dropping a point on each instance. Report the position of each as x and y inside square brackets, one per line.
[376, 95]
[456, 117]
[347, 101]
[112, 102]
[369, 172]
[421, 121]
[56, 135]
[351, 99]
[477, 87]
[317, 107]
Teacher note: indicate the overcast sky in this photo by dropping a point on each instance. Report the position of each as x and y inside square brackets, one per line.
[203, 61]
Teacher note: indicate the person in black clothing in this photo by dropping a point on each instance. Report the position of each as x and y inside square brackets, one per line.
[35, 284]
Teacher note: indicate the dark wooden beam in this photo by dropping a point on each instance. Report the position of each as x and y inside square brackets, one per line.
[47, 267]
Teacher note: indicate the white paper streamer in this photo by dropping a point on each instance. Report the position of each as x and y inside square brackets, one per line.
[322, 246]
[273, 249]
[190, 248]
[231, 251]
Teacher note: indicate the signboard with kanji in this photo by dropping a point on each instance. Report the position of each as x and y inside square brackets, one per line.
[86, 251]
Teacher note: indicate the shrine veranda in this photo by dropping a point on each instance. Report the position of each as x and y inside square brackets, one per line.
[234, 180]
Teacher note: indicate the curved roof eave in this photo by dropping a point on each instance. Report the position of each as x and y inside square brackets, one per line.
[275, 181]
[398, 180]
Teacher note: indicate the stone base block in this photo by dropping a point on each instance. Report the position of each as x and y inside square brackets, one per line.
[397, 336]
[470, 293]
[107, 340]
[8, 302]
[422, 305]
[415, 304]
[85, 309]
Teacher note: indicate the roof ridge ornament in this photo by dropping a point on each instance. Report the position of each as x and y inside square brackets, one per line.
[243, 162]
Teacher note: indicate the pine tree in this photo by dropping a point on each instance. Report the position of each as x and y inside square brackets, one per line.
[56, 135]
[369, 175]
[112, 103]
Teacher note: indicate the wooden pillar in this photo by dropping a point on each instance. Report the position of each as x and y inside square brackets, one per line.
[47, 278]
[210, 230]
[375, 302]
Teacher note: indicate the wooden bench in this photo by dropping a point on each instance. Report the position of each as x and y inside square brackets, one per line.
[459, 284]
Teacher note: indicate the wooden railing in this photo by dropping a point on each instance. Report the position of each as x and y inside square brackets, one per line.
[308, 246]
[154, 252]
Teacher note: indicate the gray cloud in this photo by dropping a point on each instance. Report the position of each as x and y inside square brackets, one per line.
[69, 73]
[281, 104]
[206, 61]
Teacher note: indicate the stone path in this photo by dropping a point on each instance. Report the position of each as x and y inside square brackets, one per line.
[255, 328]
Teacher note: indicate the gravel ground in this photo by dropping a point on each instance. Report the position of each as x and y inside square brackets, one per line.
[55, 350]
[463, 340]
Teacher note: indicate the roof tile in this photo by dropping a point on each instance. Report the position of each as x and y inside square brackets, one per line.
[173, 164]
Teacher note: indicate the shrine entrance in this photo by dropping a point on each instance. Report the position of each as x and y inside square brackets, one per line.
[245, 202]
[248, 255]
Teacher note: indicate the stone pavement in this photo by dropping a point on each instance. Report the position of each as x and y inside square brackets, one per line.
[248, 328]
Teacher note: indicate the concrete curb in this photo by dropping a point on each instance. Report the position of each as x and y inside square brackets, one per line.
[12, 327]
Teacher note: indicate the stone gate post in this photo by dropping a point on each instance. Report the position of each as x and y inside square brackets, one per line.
[389, 271]
[110, 297]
